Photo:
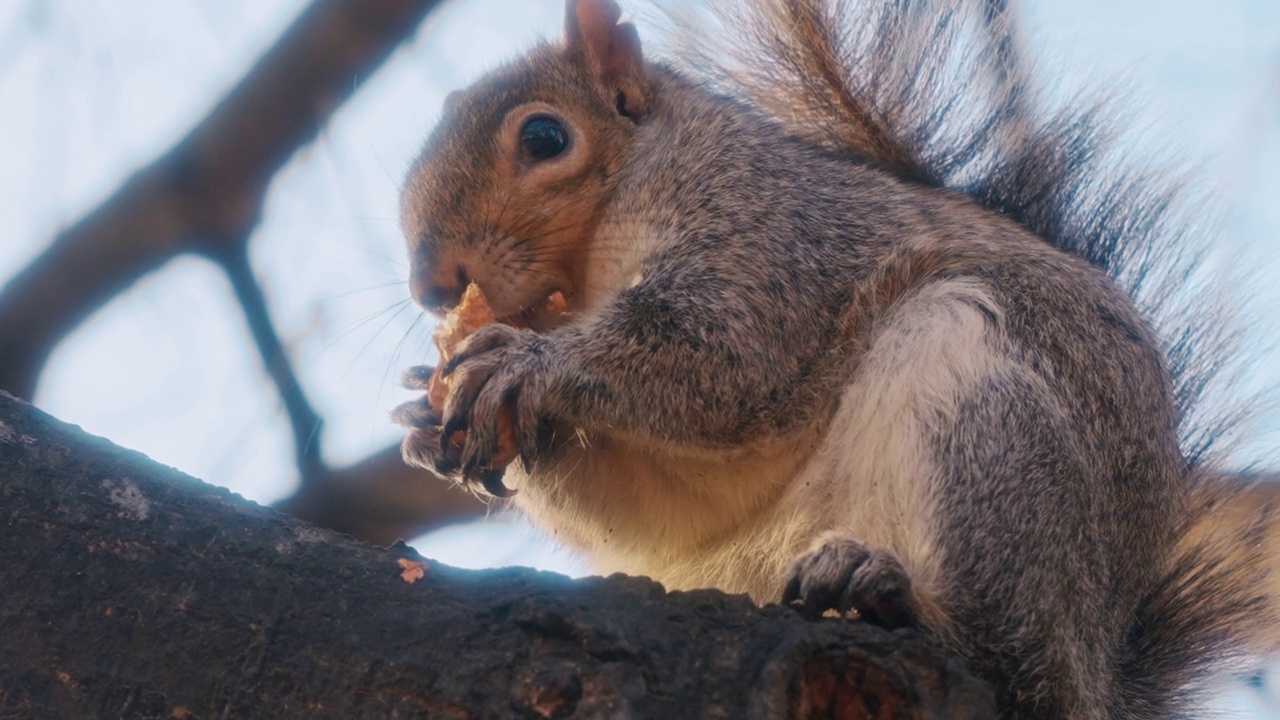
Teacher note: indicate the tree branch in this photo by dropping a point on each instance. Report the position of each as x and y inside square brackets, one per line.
[303, 419]
[206, 193]
[380, 500]
[132, 591]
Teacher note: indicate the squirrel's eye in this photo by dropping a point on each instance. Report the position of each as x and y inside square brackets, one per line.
[543, 138]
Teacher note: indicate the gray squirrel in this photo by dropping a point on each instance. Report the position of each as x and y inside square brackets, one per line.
[850, 324]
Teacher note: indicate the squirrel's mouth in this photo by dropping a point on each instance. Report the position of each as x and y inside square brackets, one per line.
[552, 311]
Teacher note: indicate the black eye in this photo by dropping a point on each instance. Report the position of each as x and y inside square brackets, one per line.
[543, 138]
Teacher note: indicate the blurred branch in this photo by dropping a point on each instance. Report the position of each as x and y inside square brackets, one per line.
[206, 193]
[380, 500]
[303, 419]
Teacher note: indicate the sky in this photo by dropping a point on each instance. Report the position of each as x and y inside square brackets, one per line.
[92, 88]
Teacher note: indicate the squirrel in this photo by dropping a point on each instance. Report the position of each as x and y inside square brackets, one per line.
[851, 324]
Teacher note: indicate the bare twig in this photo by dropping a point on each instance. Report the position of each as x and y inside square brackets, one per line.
[303, 419]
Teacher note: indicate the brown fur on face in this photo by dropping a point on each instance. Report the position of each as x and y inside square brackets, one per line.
[477, 209]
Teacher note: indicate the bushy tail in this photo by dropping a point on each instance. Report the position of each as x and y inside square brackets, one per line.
[938, 91]
[1213, 611]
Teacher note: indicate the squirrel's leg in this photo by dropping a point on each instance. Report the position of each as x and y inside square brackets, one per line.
[1027, 603]
[1030, 567]
[963, 499]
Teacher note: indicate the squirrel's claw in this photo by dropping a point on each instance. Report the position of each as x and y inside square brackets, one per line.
[491, 337]
[421, 445]
[495, 395]
[842, 574]
[416, 414]
[421, 448]
[481, 450]
[417, 377]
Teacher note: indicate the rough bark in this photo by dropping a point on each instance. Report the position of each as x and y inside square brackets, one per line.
[131, 590]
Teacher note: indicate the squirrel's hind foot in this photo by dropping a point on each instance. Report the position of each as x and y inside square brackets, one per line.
[842, 574]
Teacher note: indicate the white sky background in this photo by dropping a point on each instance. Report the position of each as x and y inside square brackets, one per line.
[92, 88]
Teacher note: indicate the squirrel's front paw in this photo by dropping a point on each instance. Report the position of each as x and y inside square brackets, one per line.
[421, 446]
[842, 574]
[498, 380]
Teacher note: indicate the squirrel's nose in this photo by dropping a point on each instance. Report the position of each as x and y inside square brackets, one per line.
[435, 294]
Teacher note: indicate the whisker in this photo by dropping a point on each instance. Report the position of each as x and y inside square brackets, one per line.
[397, 307]
[373, 288]
[394, 358]
[369, 343]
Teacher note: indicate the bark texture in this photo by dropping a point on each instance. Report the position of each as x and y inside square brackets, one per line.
[131, 590]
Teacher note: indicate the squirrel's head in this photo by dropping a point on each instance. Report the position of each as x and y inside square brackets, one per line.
[510, 184]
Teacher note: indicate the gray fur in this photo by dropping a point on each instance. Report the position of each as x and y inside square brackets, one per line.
[745, 264]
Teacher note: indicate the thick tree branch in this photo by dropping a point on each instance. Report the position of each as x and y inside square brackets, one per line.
[206, 193]
[132, 591]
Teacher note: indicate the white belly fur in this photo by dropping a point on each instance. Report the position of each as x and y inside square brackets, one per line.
[736, 521]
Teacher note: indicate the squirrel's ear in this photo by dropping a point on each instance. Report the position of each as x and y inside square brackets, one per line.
[610, 48]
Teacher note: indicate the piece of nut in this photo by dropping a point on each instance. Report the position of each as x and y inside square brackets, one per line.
[471, 314]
